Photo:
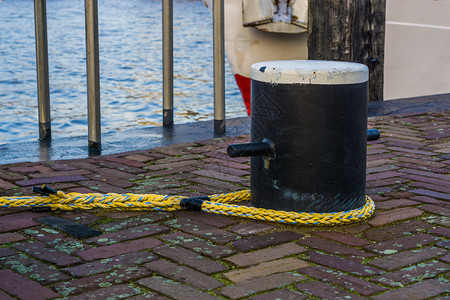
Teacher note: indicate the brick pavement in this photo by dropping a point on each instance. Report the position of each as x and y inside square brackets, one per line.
[400, 253]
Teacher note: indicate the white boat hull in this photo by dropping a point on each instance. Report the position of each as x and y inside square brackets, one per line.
[417, 47]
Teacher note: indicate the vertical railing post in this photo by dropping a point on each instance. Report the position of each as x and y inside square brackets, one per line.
[219, 66]
[167, 16]
[40, 20]
[93, 74]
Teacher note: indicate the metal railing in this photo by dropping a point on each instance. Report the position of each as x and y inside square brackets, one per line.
[167, 21]
[93, 69]
[93, 74]
[219, 66]
[40, 17]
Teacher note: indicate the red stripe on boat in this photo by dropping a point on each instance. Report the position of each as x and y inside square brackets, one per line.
[244, 84]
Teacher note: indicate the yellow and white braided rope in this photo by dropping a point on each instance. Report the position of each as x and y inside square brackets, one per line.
[217, 204]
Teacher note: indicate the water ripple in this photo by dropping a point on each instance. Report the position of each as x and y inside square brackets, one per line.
[130, 66]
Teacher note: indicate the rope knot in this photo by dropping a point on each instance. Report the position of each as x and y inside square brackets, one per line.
[44, 190]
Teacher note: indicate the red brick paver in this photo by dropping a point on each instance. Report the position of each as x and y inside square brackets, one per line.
[22, 287]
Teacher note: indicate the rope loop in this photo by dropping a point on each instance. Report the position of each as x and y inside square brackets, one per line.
[218, 204]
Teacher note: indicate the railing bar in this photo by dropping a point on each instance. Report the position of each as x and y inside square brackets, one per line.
[167, 16]
[93, 74]
[40, 20]
[219, 66]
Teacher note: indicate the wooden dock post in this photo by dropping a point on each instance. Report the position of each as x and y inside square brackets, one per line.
[352, 31]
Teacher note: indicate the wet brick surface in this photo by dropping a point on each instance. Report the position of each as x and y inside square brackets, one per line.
[184, 274]
[42, 251]
[108, 264]
[119, 248]
[266, 254]
[174, 289]
[190, 258]
[22, 287]
[257, 285]
[399, 253]
[266, 268]
[266, 240]
[94, 282]
[197, 244]
[363, 287]
[323, 290]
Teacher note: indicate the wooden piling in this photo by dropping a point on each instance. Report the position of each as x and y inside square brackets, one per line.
[352, 31]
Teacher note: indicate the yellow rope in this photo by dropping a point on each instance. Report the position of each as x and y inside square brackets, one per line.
[218, 204]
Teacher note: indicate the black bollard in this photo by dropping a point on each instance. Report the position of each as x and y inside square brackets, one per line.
[315, 114]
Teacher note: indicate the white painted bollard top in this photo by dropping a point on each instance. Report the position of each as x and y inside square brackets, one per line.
[310, 72]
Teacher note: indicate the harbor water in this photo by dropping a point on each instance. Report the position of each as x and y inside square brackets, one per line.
[130, 35]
